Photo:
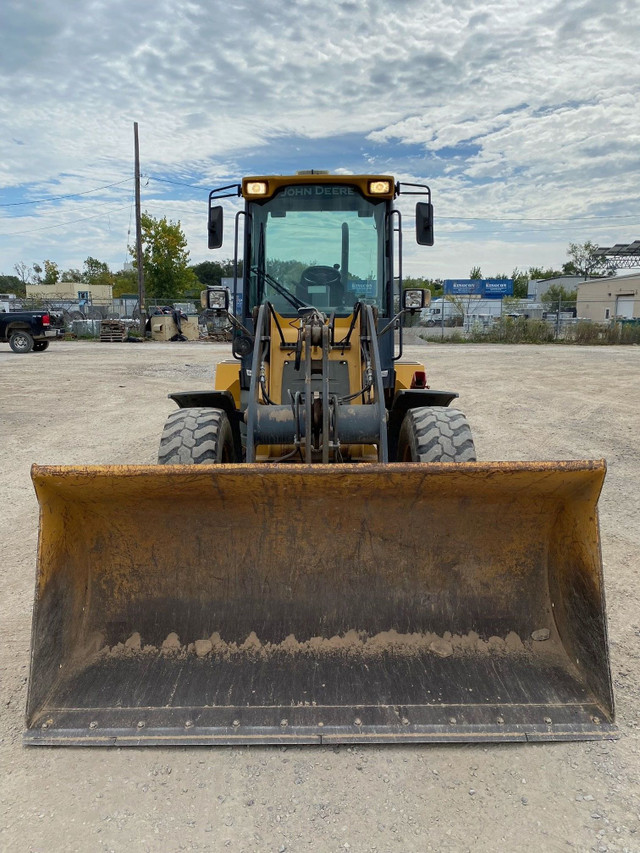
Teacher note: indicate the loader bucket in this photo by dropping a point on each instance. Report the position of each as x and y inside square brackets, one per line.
[319, 604]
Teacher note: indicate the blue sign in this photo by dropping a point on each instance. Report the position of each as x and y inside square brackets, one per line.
[486, 288]
[228, 282]
[496, 288]
[364, 288]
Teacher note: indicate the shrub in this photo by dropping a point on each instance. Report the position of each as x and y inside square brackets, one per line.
[517, 330]
[587, 333]
[520, 330]
[628, 333]
[606, 333]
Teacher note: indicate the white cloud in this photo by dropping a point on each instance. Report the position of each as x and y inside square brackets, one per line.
[523, 110]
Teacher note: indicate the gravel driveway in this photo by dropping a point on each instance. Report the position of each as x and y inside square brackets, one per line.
[91, 403]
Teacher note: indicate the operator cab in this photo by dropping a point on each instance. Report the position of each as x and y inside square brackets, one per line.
[315, 240]
[317, 245]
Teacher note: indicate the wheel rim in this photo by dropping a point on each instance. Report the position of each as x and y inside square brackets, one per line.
[21, 342]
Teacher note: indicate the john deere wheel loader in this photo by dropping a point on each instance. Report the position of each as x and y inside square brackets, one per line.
[318, 557]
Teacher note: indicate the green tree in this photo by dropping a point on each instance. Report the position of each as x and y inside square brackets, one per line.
[96, 272]
[72, 274]
[559, 294]
[125, 281]
[12, 284]
[537, 273]
[583, 260]
[288, 273]
[475, 273]
[165, 259]
[433, 285]
[520, 284]
[211, 272]
[51, 273]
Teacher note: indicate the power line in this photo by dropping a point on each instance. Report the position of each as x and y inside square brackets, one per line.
[538, 218]
[442, 218]
[176, 183]
[64, 224]
[69, 195]
[570, 226]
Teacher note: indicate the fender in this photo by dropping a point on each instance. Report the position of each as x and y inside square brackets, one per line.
[213, 400]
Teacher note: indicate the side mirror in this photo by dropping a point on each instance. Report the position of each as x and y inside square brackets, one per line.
[218, 299]
[424, 223]
[215, 227]
[413, 300]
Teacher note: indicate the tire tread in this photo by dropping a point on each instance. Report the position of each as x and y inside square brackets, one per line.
[437, 435]
[193, 437]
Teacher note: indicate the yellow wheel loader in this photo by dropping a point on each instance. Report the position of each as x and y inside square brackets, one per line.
[318, 557]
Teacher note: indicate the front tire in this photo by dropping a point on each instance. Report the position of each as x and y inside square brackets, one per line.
[435, 434]
[21, 341]
[196, 436]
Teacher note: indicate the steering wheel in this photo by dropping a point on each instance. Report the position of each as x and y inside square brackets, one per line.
[320, 277]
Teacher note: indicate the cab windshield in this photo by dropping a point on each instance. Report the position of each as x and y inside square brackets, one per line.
[317, 245]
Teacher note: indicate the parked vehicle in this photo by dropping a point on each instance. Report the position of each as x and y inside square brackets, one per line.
[432, 315]
[27, 331]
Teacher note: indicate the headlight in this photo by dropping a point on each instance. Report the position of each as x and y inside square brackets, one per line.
[218, 298]
[379, 187]
[256, 188]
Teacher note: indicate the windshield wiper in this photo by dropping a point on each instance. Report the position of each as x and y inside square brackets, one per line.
[291, 298]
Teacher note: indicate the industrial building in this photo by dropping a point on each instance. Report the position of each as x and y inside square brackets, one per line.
[609, 298]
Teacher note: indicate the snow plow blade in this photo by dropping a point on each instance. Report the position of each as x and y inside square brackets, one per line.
[239, 604]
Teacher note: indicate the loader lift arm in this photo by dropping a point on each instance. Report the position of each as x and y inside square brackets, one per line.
[315, 417]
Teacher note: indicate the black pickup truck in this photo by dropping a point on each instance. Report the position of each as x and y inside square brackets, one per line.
[27, 330]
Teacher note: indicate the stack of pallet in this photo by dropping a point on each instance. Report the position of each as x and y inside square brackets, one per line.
[112, 330]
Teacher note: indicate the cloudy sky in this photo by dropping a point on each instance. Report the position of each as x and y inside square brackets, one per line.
[521, 116]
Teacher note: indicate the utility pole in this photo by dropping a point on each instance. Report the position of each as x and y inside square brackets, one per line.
[141, 294]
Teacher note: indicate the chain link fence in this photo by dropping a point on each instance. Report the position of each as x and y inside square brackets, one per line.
[521, 321]
[83, 318]
[513, 321]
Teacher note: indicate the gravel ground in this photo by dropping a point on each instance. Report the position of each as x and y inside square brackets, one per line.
[106, 403]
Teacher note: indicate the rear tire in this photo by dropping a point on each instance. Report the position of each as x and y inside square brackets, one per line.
[196, 436]
[40, 346]
[435, 434]
[21, 341]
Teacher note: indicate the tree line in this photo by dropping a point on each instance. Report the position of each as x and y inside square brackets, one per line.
[583, 261]
[169, 276]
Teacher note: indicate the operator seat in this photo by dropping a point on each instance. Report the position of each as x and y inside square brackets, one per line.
[321, 286]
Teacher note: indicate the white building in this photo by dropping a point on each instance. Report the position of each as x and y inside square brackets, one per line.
[538, 286]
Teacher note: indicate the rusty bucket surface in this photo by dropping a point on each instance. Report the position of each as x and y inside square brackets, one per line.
[344, 603]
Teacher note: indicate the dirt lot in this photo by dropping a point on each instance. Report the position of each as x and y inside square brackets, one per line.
[106, 403]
